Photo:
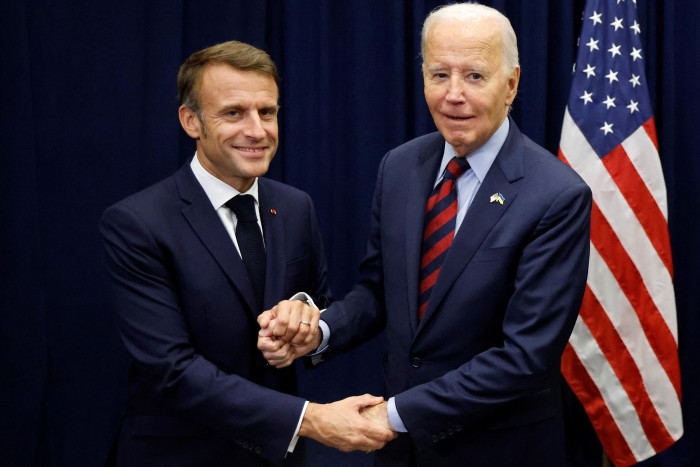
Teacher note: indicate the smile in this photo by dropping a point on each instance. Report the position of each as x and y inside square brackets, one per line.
[250, 150]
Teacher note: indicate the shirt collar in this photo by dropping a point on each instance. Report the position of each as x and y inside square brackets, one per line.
[217, 190]
[482, 159]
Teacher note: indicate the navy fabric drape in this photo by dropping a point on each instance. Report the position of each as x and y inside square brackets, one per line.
[89, 116]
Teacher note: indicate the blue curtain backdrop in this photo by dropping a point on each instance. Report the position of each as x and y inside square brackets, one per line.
[89, 116]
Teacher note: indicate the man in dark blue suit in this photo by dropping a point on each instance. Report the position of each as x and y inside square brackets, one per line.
[476, 265]
[189, 285]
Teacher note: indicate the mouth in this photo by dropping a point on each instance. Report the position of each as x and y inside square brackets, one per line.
[456, 118]
[253, 151]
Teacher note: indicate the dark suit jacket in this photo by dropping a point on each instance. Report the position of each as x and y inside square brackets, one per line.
[199, 390]
[477, 379]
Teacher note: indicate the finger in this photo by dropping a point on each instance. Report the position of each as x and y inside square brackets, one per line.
[281, 358]
[295, 332]
[309, 324]
[267, 344]
[365, 400]
[378, 434]
[283, 312]
[265, 317]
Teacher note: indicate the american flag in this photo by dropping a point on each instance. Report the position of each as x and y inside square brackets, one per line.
[622, 358]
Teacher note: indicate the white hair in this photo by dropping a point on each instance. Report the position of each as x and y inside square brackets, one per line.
[470, 12]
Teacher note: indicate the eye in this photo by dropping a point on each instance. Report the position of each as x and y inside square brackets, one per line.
[233, 113]
[475, 76]
[440, 75]
[268, 112]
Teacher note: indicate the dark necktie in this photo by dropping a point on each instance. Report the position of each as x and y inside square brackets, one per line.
[250, 241]
[439, 229]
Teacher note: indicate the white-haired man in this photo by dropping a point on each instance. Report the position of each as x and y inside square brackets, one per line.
[476, 265]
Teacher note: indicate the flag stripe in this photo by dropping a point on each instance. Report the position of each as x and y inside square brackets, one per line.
[640, 144]
[628, 279]
[615, 308]
[586, 389]
[640, 200]
[611, 395]
[579, 154]
[606, 309]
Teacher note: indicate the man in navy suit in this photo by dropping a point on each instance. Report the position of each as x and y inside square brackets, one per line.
[187, 291]
[478, 299]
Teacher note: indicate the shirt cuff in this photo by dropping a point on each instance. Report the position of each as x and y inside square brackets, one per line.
[295, 438]
[394, 417]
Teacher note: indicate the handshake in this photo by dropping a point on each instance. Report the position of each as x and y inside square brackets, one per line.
[289, 331]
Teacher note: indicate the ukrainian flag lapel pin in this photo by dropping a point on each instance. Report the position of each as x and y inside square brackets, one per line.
[497, 198]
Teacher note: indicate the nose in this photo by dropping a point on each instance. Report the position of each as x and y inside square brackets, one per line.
[455, 90]
[254, 126]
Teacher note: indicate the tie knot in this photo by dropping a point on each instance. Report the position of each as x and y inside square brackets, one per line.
[456, 167]
[243, 206]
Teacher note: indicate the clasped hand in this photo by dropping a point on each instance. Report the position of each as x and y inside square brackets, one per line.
[289, 331]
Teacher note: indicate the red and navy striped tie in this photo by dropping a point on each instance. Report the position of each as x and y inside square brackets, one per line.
[439, 230]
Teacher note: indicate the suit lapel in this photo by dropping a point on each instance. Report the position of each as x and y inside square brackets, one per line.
[208, 227]
[419, 185]
[273, 228]
[481, 216]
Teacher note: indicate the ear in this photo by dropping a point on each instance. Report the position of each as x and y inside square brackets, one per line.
[190, 122]
[513, 85]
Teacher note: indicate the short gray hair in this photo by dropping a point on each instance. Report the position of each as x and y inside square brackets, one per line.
[465, 12]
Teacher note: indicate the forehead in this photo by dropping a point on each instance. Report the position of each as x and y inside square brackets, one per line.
[223, 81]
[461, 39]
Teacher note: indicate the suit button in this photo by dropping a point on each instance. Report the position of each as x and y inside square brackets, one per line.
[450, 431]
[415, 362]
[458, 428]
[443, 435]
[258, 450]
[435, 438]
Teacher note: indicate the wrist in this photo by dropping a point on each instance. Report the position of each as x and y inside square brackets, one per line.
[307, 429]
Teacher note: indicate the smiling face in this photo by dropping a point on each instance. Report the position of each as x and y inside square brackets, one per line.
[237, 135]
[466, 87]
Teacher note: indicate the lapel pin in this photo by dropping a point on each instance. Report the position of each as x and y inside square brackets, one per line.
[497, 198]
[273, 211]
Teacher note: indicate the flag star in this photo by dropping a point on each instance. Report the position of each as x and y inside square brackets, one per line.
[590, 71]
[633, 106]
[636, 54]
[617, 24]
[596, 18]
[614, 50]
[635, 27]
[635, 81]
[607, 128]
[612, 76]
[587, 97]
[609, 102]
[592, 45]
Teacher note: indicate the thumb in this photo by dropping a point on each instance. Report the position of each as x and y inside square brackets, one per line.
[367, 400]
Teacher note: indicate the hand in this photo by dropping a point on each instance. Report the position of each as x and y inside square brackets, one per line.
[377, 414]
[292, 321]
[280, 353]
[288, 331]
[340, 425]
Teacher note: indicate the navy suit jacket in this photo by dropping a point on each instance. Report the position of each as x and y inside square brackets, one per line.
[200, 392]
[477, 380]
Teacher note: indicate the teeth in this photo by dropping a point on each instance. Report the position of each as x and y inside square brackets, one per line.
[250, 149]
